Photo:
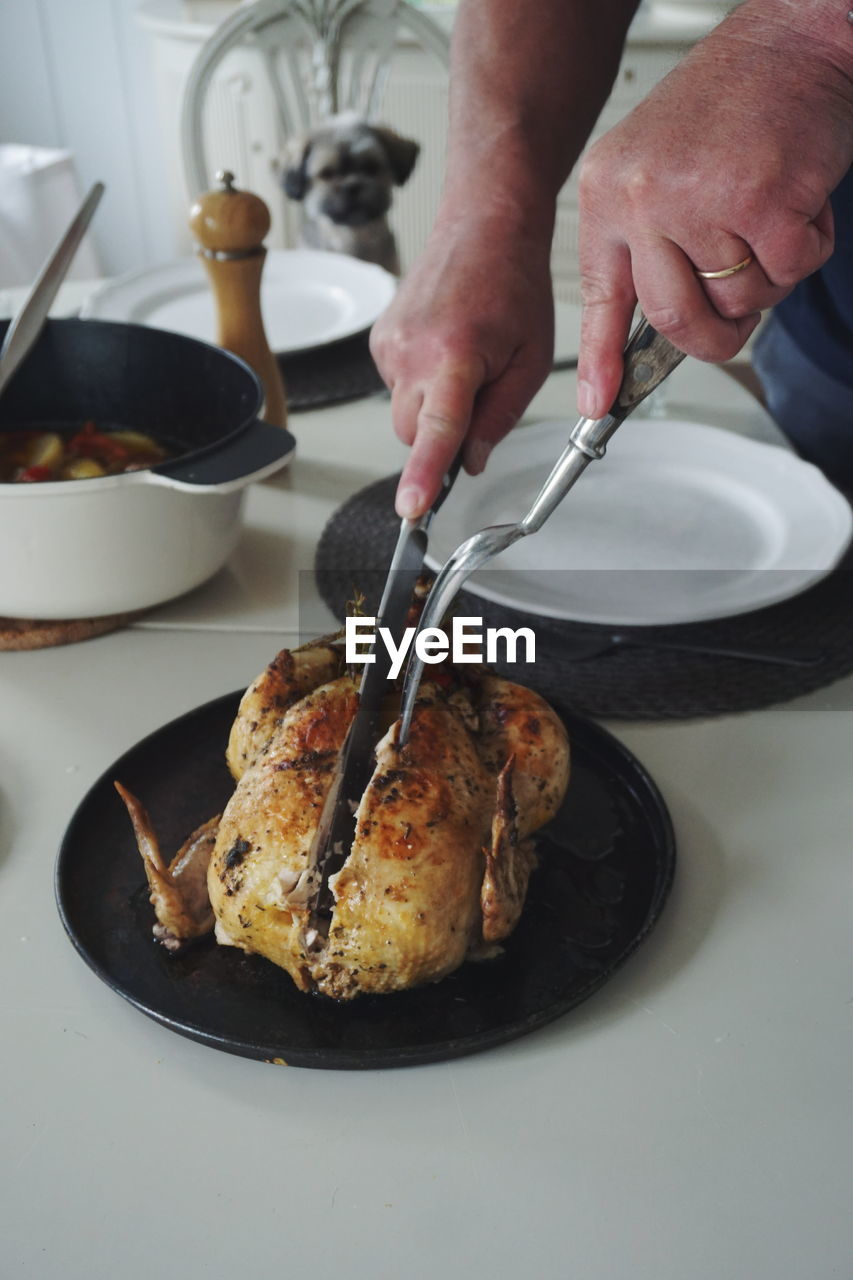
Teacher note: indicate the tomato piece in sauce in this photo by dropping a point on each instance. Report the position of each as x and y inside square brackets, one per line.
[92, 443]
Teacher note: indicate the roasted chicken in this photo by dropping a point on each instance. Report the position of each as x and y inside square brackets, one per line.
[441, 858]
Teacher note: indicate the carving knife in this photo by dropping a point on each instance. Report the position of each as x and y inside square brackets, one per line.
[356, 761]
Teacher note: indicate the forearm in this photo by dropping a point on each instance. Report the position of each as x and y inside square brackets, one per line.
[804, 46]
[818, 28]
[528, 83]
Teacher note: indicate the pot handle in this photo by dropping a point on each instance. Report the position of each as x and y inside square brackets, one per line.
[255, 453]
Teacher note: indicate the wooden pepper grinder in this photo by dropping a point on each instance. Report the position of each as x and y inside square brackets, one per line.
[230, 226]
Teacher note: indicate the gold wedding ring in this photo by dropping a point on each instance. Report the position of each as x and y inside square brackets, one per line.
[727, 271]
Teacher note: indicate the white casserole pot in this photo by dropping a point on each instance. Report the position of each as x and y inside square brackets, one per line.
[88, 548]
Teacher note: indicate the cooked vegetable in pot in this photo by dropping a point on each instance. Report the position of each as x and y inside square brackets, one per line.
[30, 455]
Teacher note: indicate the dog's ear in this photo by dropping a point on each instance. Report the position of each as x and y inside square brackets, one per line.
[402, 152]
[293, 167]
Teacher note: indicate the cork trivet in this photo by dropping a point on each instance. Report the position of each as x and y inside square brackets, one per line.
[29, 633]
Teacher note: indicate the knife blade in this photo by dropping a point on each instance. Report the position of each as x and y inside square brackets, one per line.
[355, 764]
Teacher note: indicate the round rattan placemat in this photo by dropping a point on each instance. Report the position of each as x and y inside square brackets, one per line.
[341, 370]
[631, 683]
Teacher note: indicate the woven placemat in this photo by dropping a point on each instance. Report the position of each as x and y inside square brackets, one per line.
[31, 633]
[341, 370]
[633, 684]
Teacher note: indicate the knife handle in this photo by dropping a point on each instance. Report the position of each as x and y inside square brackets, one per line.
[649, 358]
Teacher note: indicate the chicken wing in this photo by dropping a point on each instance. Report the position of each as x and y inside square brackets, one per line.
[178, 892]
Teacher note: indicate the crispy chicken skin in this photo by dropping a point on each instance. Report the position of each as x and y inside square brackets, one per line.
[407, 898]
[407, 906]
[515, 722]
[260, 878]
[290, 675]
[441, 859]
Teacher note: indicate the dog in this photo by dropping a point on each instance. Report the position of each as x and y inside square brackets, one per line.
[344, 173]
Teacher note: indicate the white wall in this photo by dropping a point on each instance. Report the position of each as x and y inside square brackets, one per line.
[77, 74]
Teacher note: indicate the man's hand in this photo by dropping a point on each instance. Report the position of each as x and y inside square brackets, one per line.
[464, 347]
[469, 338]
[734, 154]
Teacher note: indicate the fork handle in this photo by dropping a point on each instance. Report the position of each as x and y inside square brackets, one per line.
[649, 358]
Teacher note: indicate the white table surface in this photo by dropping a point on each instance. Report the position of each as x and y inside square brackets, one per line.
[692, 1121]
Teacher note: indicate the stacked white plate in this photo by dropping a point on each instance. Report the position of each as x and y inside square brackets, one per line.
[308, 297]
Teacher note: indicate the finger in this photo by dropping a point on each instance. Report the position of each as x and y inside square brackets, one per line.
[608, 295]
[739, 295]
[675, 303]
[389, 336]
[406, 401]
[796, 247]
[824, 222]
[499, 406]
[442, 421]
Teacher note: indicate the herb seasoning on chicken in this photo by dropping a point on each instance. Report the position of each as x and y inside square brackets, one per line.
[442, 855]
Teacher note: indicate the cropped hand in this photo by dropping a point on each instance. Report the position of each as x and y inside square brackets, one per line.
[464, 347]
[731, 158]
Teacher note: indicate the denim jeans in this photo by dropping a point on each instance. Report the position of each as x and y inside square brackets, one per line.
[813, 409]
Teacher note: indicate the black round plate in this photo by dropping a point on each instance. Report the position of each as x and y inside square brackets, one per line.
[606, 866]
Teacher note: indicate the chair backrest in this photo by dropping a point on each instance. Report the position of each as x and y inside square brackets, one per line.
[321, 57]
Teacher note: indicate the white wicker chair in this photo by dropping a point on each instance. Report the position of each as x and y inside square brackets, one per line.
[321, 56]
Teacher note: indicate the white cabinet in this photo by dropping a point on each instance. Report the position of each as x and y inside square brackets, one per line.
[241, 129]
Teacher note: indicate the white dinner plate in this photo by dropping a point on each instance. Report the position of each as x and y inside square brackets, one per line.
[679, 522]
[309, 297]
